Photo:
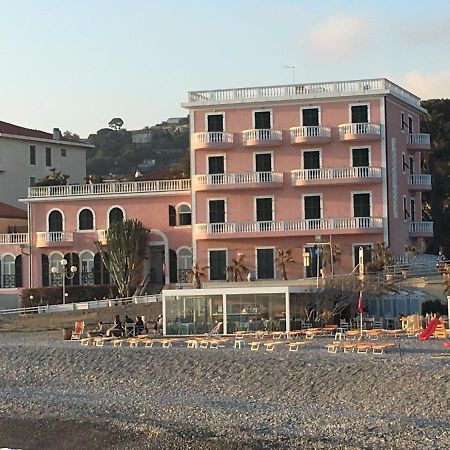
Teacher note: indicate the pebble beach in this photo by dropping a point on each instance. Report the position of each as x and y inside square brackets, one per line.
[56, 394]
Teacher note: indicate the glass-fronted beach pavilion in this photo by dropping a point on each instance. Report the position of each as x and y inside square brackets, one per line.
[239, 308]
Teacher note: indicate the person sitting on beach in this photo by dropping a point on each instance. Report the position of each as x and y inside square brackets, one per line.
[128, 319]
[117, 328]
[99, 330]
[139, 325]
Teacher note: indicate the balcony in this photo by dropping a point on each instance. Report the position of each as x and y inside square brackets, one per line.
[262, 138]
[312, 227]
[110, 188]
[419, 182]
[239, 180]
[310, 135]
[359, 131]
[54, 239]
[350, 175]
[420, 229]
[14, 238]
[212, 140]
[418, 142]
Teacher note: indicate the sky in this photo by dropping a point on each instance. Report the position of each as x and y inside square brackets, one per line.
[77, 64]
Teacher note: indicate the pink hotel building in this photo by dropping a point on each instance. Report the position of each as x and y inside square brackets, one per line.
[277, 166]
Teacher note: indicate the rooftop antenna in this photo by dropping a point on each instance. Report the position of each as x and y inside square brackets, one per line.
[293, 72]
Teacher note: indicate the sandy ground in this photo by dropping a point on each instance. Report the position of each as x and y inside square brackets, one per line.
[57, 394]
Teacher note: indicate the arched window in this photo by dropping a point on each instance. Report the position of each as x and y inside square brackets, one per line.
[87, 268]
[55, 221]
[86, 220]
[115, 215]
[184, 261]
[45, 270]
[184, 215]
[101, 274]
[18, 271]
[8, 271]
[54, 261]
[73, 278]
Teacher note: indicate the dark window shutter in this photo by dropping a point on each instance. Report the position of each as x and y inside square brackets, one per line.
[173, 266]
[55, 221]
[44, 262]
[311, 160]
[310, 117]
[172, 216]
[18, 271]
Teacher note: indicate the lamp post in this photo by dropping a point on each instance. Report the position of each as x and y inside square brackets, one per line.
[64, 274]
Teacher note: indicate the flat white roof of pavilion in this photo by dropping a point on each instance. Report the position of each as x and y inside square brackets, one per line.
[293, 92]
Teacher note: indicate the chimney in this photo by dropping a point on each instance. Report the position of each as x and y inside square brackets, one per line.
[56, 134]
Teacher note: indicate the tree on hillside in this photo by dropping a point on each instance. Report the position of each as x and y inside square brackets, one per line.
[116, 123]
[122, 255]
[54, 178]
[69, 136]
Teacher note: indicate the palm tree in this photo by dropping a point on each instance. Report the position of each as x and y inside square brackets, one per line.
[195, 274]
[331, 255]
[237, 268]
[381, 257]
[282, 258]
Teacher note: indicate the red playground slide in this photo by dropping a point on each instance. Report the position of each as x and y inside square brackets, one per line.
[429, 330]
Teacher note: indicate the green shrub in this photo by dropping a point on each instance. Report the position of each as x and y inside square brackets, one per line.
[434, 306]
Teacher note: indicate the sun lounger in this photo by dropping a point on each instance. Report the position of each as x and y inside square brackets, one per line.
[278, 334]
[348, 347]
[239, 343]
[295, 345]
[192, 343]
[378, 349]
[254, 346]
[270, 346]
[86, 341]
[333, 347]
[352, 334]
[373, 334]
[363, 347]
[78, 330]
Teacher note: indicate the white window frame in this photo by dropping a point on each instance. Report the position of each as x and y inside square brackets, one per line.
[310, 107]
[321, 204]
[262, 110]
[256, 261]
[218, 113]
[209, 260]
[63, 219]
[302, 162]
[359, 245]
[410, 116]
[356, 147]
[225, 207]
[264, 196]
[215, 155]
[93, 220]
[110, 209]
[272, 158]
[80, 261]
[177, 209]
[358, 104]
[352, 204]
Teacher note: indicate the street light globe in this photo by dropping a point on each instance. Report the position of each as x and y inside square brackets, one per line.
[66, 294]
[73, 269]
[31, 297]
[64, 262]
[54, 270]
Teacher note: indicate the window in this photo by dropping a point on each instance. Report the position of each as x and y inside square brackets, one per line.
[216, 211]
[55, 221]
[360, 114]
[217, 264]
[48, 156]
[172, 216]
[311, 159]
[315, 261]
[86, 268]
[360, 157]
[404, 165]
[32, 155]
[184, 215]
[184, 261]
[262, 120]
[63, 152]
[263, 162]
[312, 207]
[264, 209]
[310, 117]
[410, 124]
[405, 209]
[216, 165]
[361, 205]
[115, 215]
[8, 271]
[265, 263]
[55, 261]
[367, 253]
[412, 209]
[86, 220]
[215, 122]
[402, 123]
[32, 181]
[411, 165]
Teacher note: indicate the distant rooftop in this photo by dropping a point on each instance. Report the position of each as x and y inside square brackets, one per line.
[11, 212]
[286, 92]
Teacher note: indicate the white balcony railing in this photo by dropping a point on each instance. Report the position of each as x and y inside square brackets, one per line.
[359, 128]
[312, 132]
[421, 227]
[129, 187]
[14, 238]
[336, 174]
[212, 137]
[302, 91]
[262, 135]
[239, 177]
[290, 225]
[420, 179]
[44, 237]
[418, 139]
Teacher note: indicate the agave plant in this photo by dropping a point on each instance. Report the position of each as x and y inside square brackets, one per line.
[195, 274]
[237, 269]
[282, 258]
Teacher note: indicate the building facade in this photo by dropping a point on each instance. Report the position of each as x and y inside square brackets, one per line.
[315, 168]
